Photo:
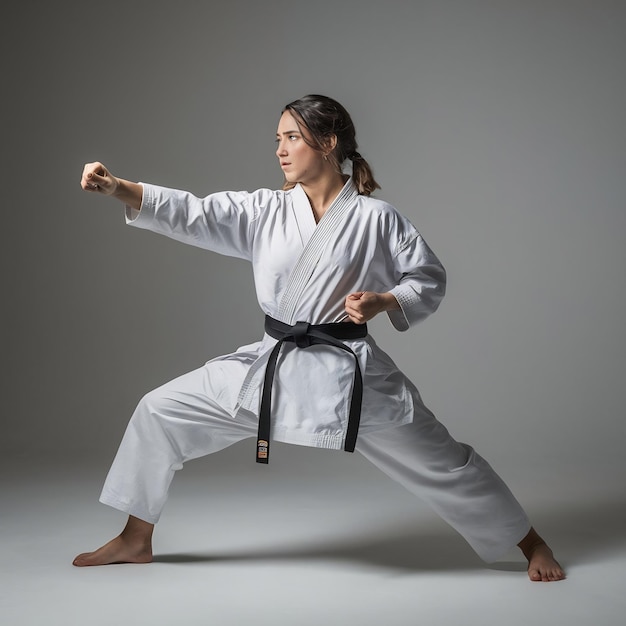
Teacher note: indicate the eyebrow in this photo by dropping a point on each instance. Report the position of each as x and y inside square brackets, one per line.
[289, 132]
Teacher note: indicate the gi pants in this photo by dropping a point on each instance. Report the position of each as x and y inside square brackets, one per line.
[183, 420]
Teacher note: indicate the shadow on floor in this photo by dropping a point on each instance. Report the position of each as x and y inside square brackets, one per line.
[398, 549]
[585, 534]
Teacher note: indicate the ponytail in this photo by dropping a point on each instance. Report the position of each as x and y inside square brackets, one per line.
[362, 175]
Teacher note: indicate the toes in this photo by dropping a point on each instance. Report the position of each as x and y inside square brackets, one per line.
[546, 576]
[84, 559]
[555, 573]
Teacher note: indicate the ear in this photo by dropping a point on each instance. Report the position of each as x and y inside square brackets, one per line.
[330, 143]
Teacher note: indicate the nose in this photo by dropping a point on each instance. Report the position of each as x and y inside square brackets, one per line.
[281, 149]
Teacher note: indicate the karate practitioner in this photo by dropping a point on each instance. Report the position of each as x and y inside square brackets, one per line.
[326, 259]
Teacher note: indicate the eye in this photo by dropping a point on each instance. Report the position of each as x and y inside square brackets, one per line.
[293, 137]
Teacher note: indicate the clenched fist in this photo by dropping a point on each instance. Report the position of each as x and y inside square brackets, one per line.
[97, 178]
[362, 306]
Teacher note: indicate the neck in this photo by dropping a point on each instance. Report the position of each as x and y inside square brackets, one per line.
[322, 193]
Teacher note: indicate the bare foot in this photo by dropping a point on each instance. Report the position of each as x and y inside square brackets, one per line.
[542, 566]
[116, 551]
[133, 545]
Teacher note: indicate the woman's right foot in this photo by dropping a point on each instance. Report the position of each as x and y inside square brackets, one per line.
[118, 550]
[133, 545]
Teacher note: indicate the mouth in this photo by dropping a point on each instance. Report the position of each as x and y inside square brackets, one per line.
[284, 164]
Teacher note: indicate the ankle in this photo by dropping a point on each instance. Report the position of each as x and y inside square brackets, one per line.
[531, 543]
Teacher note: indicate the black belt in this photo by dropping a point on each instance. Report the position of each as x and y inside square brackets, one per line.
[304, 335]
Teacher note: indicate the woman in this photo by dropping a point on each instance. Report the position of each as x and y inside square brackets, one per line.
[326, 258]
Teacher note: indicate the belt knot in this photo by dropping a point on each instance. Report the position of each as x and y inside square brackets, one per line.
[301, 335]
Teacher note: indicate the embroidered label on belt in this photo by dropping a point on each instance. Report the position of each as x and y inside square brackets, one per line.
[262, 447]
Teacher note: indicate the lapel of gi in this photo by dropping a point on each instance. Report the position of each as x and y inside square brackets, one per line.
[313, 249]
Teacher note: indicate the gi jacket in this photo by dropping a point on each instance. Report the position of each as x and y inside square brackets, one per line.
[303, 271]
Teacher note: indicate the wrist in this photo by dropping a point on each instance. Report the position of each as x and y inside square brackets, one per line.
[128, 192]
[389, 302]
[119, 191]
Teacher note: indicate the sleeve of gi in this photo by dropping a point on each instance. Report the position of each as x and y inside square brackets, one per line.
[221, 222]
[421, 284]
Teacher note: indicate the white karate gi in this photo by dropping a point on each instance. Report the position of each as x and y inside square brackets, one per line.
[303, 271]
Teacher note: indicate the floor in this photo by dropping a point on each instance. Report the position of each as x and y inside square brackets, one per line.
[315, 537]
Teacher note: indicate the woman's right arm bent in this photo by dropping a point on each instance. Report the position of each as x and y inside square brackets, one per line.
[97, 179]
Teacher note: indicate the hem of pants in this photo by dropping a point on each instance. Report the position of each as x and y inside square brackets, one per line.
[497, 552]
[126, 507]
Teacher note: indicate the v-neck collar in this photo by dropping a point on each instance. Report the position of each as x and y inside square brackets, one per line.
[319, 236]
[304, 212]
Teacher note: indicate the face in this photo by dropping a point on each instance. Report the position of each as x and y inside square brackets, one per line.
[300, 163]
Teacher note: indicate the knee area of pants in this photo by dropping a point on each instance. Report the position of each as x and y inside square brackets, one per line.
[469, 455]
[153, 403]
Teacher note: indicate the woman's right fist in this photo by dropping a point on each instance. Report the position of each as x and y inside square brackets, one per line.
[96, 178]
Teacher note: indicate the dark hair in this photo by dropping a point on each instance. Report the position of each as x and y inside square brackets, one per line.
[324, 117]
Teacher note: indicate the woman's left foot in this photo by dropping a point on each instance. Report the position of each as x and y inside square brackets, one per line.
[542, 566]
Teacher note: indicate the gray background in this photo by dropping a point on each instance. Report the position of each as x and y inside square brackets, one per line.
[497, 127]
